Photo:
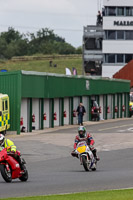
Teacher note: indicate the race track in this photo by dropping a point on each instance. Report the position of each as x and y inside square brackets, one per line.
[52, 170]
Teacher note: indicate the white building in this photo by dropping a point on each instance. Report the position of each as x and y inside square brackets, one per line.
[118, 42]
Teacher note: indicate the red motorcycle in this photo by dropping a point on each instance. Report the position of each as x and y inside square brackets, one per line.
[10, 168]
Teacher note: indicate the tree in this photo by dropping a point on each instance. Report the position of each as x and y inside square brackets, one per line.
[12, 43]
[3, 47]
[11, 35]
[79, 50]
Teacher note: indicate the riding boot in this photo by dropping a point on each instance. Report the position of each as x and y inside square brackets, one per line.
[95, 154]
[21, 163]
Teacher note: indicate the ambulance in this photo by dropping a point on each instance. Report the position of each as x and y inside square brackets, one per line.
[4, 113]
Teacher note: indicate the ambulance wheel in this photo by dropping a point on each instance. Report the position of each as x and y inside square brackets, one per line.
[3, 132]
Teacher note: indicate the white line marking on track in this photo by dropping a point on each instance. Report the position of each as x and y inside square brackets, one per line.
[115, 127]
[130, 129]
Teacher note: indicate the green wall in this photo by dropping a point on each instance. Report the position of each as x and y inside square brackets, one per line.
[24, 84]
[48, 86]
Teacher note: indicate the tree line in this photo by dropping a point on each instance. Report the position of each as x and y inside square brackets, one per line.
[13, 43]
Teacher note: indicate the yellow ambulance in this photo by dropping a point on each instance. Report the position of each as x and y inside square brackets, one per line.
[4, 113]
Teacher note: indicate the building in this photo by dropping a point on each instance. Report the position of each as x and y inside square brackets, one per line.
[118, 41]
[126, 73]
[92, 50]
[40, 100]
[116, 35]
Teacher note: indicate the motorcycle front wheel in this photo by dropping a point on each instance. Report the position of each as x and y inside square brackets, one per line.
[6, 174]
[85, 164]
[95, 168]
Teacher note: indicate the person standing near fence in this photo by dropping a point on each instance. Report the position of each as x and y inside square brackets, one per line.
[80, 112]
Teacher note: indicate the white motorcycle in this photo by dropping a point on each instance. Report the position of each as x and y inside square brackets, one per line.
[86, 156]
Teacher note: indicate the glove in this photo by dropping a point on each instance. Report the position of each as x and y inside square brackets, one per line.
[8, 148]
[74, 151]
[91, 146]
[74, 154]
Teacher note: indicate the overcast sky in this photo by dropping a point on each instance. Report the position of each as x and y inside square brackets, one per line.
[65, 17]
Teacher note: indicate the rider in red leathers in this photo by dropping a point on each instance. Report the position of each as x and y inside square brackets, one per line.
[82, 135]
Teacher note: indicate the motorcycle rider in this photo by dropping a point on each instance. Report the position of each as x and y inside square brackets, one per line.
[11, 148]
[82, 135]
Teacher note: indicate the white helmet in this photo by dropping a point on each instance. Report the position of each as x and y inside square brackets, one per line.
[2, 139]
[82, 132]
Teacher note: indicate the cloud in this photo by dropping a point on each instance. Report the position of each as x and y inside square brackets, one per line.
[31, 15]
[47, 6]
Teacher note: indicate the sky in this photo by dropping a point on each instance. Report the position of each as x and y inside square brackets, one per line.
[65, 17]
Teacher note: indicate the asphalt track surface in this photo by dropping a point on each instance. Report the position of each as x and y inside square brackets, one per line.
[52, 170]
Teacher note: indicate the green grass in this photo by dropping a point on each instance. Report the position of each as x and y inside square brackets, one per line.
[43, 65]
[100, 195]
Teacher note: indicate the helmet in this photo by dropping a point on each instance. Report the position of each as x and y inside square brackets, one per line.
[82, 132]
[2, 139]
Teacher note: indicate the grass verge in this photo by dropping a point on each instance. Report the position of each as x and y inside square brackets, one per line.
[126, 194]
[44, 66]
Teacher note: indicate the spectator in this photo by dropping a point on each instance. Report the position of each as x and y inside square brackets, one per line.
[50, 63]
[74, 71]
[80, 111]
[99, 18]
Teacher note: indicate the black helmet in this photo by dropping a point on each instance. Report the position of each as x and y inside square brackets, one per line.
[82, 132]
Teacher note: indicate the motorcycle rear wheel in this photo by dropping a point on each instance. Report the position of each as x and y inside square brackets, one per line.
[24, 176]
[7, 175]
[85, 164]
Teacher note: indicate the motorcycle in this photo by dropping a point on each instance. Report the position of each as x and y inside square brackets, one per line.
[86, 156]
[10, 168]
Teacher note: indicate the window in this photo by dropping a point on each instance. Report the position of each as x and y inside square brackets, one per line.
[106, 35]
[120, 11]
[120, 35]
[128, 57]
[111, 11]
[90, 43]
[6, 105]
[129, 11]
[119, 58]
[99, 43]
[111, 58]
[106, 58]
[3, 107]
[129, 35]
[106, 11]
[112, 35]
